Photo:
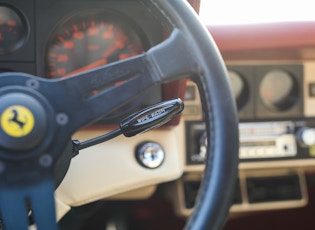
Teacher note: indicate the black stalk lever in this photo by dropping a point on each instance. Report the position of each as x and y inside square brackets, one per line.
[137, 123]
[151, 117]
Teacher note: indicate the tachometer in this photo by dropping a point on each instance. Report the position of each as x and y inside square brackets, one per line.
[89, 40]
[93, 38]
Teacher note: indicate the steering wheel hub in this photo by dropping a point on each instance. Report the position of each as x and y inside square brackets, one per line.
[23, 121]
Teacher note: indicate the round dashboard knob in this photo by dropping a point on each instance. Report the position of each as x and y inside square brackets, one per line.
[278, 90]
[306, 136]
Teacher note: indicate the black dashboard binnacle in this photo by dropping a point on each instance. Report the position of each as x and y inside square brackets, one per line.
[58, 39]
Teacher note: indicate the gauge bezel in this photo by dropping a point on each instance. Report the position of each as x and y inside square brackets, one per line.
[25, 34]
[296, 70]
[243, 97]
[288, 100]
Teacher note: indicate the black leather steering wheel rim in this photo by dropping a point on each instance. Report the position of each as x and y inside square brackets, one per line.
[215, 195]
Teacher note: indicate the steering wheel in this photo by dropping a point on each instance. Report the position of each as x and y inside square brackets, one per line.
[36, 125]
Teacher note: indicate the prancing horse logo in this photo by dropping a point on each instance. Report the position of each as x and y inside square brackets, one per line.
[15, 119]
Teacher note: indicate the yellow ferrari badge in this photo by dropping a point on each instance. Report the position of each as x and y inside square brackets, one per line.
[17, 121]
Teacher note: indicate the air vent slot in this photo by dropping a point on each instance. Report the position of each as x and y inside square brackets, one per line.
[272, 189]
[191, 189]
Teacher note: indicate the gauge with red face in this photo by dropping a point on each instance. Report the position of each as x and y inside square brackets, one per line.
[89, 40]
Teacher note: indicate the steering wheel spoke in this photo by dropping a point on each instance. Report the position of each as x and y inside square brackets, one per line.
[18, 203]
[95, 90]
[97, 80]
[174, 58]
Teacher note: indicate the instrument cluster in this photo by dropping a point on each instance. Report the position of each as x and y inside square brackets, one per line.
[55, 39]
[268, 91]
[261, 92]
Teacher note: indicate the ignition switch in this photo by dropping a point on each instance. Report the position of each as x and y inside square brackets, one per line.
[150, 155]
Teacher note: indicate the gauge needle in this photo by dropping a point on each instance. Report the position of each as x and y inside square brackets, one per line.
[88, 67]
[98, 63]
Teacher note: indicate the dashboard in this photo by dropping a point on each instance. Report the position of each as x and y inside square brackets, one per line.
[276, 136]
[272, 73]
[271, 67]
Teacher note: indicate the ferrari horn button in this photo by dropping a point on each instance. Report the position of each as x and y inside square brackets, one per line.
[23, 122]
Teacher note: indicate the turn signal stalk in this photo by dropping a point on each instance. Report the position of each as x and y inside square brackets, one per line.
[137, 123]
